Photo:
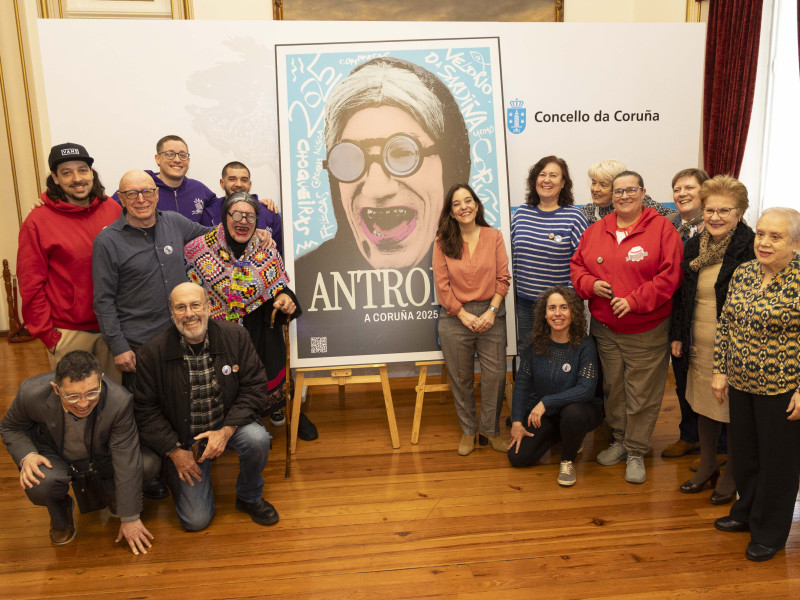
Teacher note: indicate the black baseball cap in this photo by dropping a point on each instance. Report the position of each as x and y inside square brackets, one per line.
[66, 152]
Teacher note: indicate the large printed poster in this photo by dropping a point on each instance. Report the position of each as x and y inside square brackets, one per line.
[372, 137]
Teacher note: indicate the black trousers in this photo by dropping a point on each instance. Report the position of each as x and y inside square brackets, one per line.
[570, 425]
[765, 447]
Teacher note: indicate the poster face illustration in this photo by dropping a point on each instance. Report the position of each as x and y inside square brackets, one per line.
[372, 138]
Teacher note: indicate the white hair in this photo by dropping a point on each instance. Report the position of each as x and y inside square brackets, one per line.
[606, 170]
[790, 215]
[379, 84]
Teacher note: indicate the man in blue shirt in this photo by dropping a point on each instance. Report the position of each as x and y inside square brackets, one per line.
[136, 262]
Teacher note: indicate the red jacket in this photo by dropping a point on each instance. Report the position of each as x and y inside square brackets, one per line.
[54, 265]
[644, 269]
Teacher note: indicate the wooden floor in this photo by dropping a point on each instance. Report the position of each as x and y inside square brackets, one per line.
[360, 520]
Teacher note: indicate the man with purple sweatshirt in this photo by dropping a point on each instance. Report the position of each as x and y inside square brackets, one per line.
[176, 192]
[236, 178]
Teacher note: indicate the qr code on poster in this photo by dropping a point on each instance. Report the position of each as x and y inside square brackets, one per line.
[319, 345]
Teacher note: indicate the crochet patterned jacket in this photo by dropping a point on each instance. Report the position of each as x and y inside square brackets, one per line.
[236, 287]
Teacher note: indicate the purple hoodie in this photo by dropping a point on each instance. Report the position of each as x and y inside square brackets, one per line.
[266, 219]
[190, 198]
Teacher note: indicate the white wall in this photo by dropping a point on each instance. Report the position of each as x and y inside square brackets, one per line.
[783, 125]
[616, 11]
[233, 9]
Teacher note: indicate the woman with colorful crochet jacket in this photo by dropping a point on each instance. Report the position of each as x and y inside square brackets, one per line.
[245, 282]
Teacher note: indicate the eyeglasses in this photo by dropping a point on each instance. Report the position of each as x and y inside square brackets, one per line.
[400, 155]
[619, 192]
[180, 309]
[169, 154]
[238, 215]
[722, 212]
[90, 396]
[146, 193]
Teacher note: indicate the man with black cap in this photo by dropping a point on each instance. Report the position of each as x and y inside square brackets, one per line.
[54, 260]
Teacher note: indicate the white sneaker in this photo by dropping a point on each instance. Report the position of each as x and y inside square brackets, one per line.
[566, 474]
[634, 471]
[276, 418]
[612, 455]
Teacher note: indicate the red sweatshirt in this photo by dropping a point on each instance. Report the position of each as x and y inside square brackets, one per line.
[54, 265]
[644, 269]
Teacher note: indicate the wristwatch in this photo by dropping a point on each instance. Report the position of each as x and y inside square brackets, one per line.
[494, 309]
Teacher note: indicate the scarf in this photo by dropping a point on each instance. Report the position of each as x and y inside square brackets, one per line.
[236, 287]
[711, 252]
[686, 227]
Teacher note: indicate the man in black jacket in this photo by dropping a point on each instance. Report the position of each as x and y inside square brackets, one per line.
[66, 423]
[198, 391]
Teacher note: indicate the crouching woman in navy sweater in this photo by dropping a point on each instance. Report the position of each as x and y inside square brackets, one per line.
[554, 390]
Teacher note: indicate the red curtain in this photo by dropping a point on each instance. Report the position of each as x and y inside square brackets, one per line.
[732, 37]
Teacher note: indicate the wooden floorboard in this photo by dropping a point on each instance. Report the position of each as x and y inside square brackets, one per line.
[360, 520]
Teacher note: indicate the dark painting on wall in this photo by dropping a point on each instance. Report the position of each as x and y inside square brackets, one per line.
[420, 10]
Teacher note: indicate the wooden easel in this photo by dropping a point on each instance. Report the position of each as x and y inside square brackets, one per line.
[422, 387]
[444, 386]
[17, 332]
[341, 376]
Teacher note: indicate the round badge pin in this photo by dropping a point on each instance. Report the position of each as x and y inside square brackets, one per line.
[558, 239]
[599, 259]
[167, 249]
[226, 370]
[551, 236]
[235, 368]
[566, 367]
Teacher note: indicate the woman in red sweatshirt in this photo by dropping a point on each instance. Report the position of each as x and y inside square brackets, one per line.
[628, 266]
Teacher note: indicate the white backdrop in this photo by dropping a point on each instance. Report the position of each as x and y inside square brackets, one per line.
[123, 84]
[591, 92]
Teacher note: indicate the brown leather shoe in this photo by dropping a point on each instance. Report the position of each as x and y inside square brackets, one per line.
[679, 448]
[498, 443]
[64, 536]
[466, 445]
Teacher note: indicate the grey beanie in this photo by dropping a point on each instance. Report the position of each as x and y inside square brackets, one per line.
[240, 197]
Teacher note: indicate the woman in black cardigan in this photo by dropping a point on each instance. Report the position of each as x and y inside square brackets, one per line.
[708, 264]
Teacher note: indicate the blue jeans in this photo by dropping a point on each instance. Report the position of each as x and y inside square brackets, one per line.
[524, 322]
[195, 504]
